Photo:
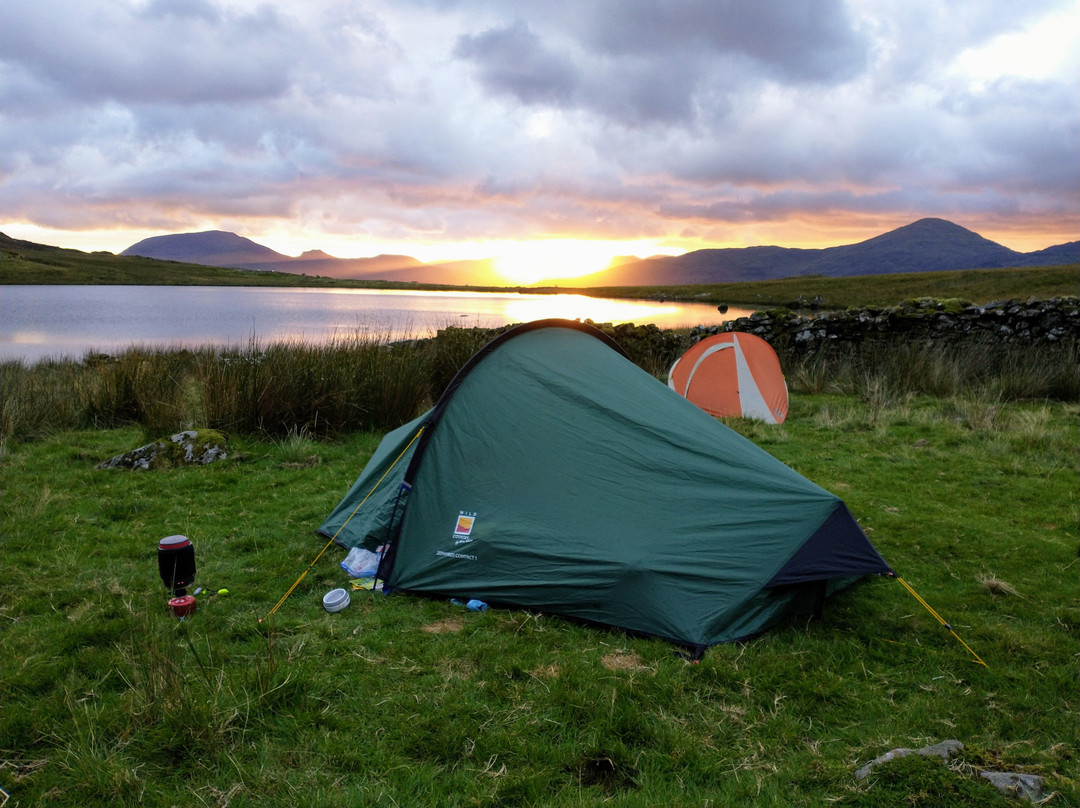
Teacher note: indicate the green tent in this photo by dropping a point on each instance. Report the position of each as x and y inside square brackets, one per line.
[554, 474]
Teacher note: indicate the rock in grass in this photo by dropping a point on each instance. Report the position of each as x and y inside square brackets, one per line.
[943, 749]
[1012, 784]
[190, 447]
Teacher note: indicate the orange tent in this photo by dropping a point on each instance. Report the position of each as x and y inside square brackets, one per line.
[732, 374]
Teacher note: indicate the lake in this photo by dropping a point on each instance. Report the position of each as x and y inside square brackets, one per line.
[43, 322]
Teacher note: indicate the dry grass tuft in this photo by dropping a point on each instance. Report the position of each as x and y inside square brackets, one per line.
[623, 661]
[449, 625]
[550, 671]
[996, 586]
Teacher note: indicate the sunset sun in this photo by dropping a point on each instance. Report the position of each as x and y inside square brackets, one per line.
[527, 262]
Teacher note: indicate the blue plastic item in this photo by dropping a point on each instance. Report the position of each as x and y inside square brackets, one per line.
[361, 563]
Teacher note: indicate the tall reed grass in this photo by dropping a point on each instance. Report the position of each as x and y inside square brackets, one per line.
[368, 382]
[346, 385]
[35, 400]
[356, 382]
[876, 369]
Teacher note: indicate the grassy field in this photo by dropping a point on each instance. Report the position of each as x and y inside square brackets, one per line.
[974, 285]
[26, 263]
[403, 701]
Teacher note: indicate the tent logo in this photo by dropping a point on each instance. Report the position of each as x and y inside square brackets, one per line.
[463, 529]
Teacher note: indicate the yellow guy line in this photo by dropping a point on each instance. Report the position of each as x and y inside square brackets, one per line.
[940, 619]
[351, 515]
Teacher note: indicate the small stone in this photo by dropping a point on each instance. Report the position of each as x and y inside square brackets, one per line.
[892, 754]
[1012, 784]
[942, 749]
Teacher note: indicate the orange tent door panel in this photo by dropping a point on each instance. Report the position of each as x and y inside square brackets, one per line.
[732, 375]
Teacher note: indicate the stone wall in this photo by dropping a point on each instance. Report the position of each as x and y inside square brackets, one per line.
[1013, 321]
[794, 334]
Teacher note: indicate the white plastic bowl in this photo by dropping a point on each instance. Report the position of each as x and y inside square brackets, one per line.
[335, 600]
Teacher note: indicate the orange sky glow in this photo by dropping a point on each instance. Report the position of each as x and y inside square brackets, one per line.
[522, 262]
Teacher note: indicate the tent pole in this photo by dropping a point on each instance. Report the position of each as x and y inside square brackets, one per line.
[940, 619]
[388, 537]
[351, 515]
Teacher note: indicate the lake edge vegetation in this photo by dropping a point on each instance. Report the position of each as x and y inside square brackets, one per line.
[366, 381]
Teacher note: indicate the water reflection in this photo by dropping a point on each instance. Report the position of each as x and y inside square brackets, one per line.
[52, 321]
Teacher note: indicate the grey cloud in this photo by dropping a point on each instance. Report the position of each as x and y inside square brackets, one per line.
[646, 92]
[181, 9]
[475, 119]
[918, 40]
[812, 40]
[735, 210]
[681, 63]
[513, 60]
[1020, 134]
[190, 82]
[634, 90]
[649, 96]
[93, 52]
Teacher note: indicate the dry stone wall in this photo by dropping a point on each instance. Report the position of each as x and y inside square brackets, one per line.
[1014, 321]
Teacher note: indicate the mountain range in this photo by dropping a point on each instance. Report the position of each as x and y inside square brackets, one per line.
[926, 245]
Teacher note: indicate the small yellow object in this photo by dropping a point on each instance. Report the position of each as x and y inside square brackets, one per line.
[223, 591]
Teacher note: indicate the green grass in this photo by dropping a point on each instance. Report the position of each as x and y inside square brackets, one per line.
[978, 286]
[404, 701]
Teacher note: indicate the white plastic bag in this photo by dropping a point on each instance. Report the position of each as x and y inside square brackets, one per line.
[361, 563]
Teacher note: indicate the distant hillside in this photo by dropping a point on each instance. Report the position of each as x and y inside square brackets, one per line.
[215, 248]
[25, 262]
[222, 249]
[219, 248]
[928, 245]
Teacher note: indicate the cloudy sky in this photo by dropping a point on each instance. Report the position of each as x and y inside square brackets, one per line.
[448, 129]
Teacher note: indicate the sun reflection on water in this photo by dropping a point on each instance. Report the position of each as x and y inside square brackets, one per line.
[579, 307]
